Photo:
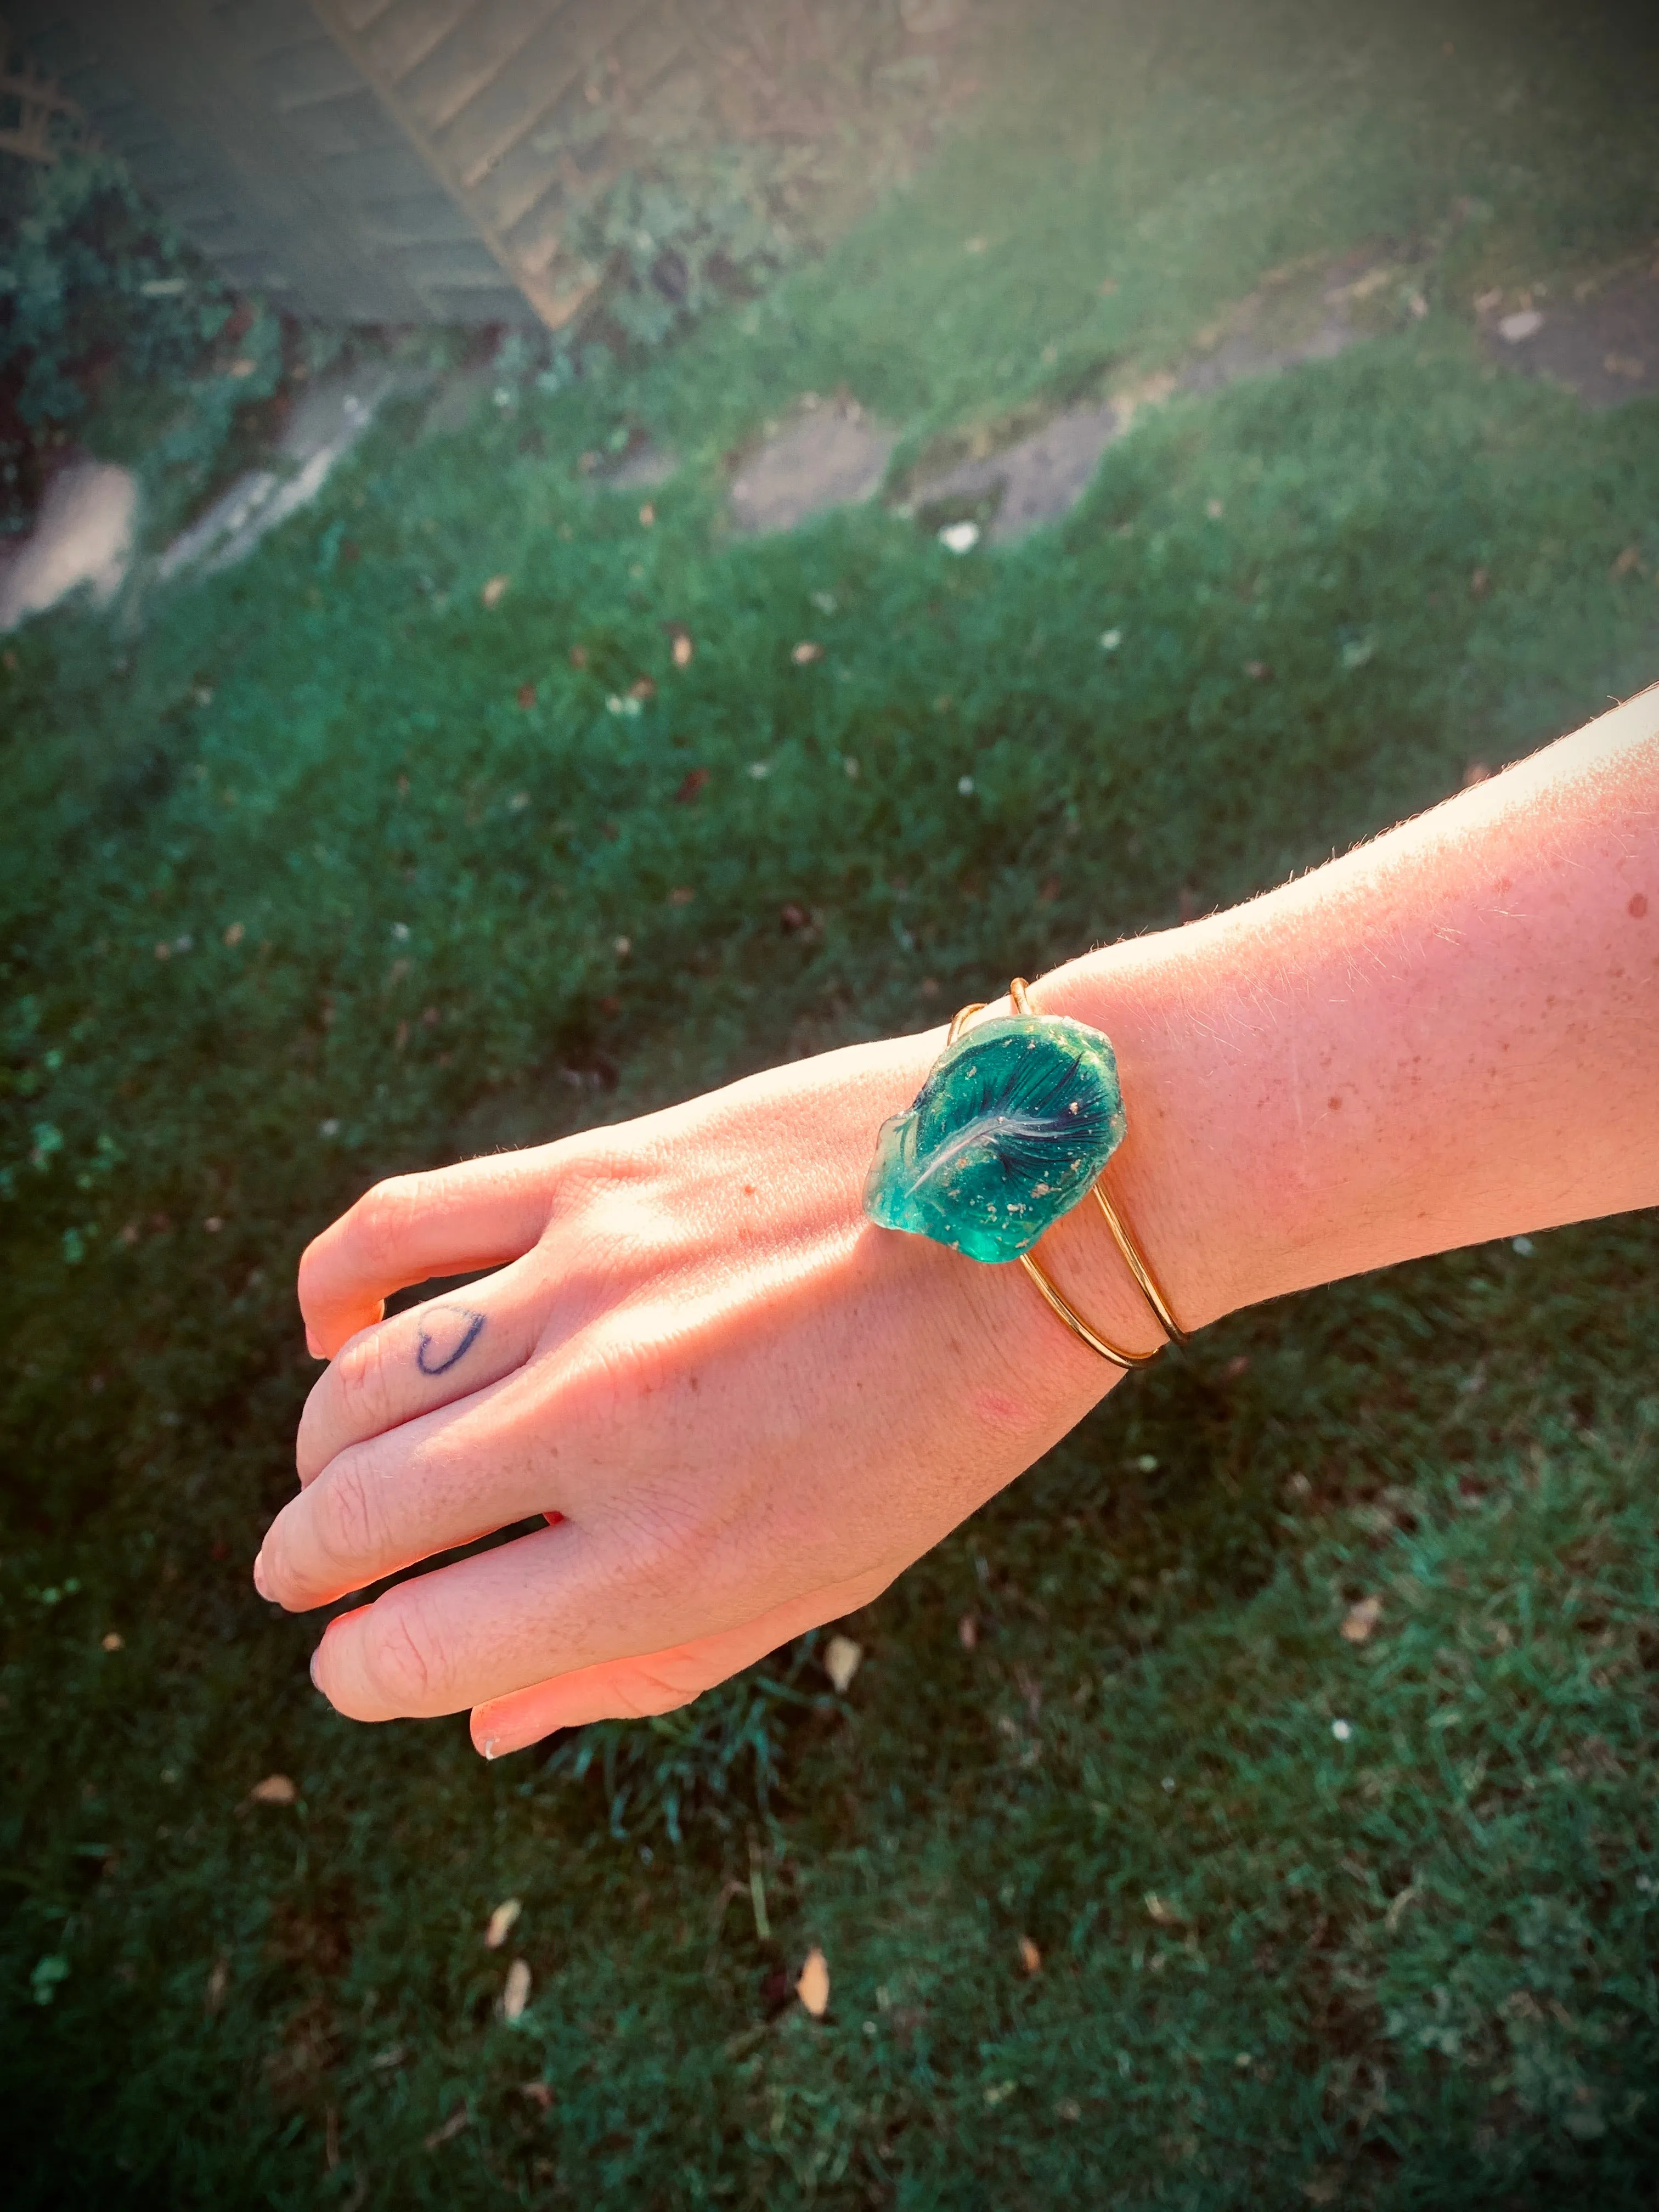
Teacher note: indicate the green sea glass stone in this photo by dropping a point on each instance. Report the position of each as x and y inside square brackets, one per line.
[1014, 1122]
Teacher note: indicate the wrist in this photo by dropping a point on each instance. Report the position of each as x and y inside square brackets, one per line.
[1184, 1179]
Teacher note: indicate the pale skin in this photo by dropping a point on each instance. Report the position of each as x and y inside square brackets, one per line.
[744, 1410]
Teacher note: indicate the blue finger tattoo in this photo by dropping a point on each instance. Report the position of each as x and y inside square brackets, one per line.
[440, 1347]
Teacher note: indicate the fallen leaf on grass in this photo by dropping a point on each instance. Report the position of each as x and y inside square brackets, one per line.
[841, 1659]
[643, 688]
[526, 696]
[813, 1986]
[1626, 365]
[1030, 1958]
[685, 650]
[695, 780]
[1628, 561]
[450, 2128]
[579, 656]
[516, 1996]
[502, 1921]
[647, 514]
[806, 652]
[1160, 1909]
[113, 1641]
[1360, 1624]
[275, 1790]
[1516, 328]
[217, 1983]
[538, 2093]
[967, 1631]
[682, 895]
[495, 590]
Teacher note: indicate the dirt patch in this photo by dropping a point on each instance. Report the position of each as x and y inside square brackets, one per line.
[1036, 478]
[1307, 312]
[830, 455]
[1601, 339]
[646, 469]
[1304, 313]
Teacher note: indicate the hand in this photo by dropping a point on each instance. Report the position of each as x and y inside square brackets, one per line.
[742, 1409]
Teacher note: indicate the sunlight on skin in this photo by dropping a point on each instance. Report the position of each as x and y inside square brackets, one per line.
[744, 1410]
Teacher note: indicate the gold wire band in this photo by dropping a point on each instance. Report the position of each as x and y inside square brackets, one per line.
[1134, 1259]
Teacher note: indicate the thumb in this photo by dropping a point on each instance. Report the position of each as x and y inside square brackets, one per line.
[655, 1682]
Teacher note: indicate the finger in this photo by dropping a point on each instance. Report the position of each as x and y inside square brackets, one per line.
[542, 1605]
[444, 1478]
[419, 1360]
[657, 1682]
[413, 1227]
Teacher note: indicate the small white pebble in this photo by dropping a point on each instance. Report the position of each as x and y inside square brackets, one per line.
[502, 1921]
[400, 932]
[959, 536]
[1516, 328]
[1169, 1782]
[1110, 640]
[1341, 1730]
[329, 1128]
[965, 786]
[760, 770]
[1524, 1246]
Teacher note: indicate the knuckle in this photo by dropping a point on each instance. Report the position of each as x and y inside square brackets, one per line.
[377, 1224]
[401, 1656]
[345, 1517]
[359, 1373]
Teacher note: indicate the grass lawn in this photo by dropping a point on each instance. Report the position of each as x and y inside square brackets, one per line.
[330, 869]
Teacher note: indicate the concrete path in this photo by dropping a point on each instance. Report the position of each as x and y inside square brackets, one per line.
[331, 416]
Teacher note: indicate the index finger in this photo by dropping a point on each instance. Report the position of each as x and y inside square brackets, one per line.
[448, 1221]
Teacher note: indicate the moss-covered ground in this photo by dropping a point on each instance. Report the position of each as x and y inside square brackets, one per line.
[330, 868]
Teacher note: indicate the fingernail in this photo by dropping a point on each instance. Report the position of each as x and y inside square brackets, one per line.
[261, 1582]
[315, 1656]
[491, 1747]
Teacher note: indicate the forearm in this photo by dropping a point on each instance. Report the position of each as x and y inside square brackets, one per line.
[1449, 1035]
